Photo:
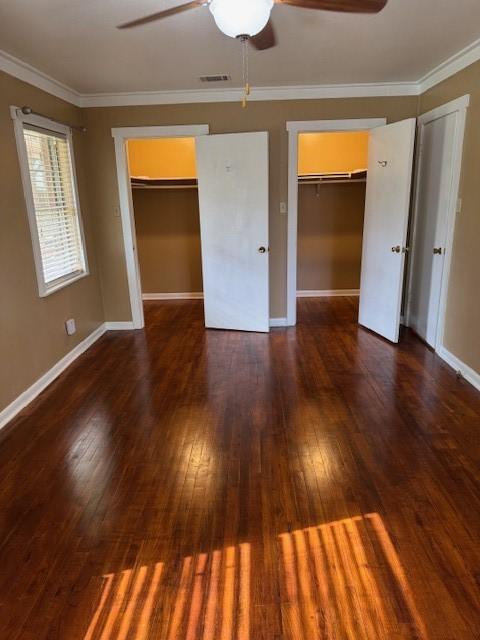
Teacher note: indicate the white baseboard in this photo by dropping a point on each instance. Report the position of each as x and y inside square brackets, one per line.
[328, 293]
[191, 295]
[467, 372]
[119, 326]
[7, 414]
[278, 322]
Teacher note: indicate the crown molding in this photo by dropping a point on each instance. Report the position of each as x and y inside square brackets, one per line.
[294, 92]
[451, 66]
[24, 71]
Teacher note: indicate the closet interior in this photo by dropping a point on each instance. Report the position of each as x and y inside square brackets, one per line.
[332, 176]
[163, 178]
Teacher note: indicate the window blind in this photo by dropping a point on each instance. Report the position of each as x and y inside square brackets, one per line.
[56, 213]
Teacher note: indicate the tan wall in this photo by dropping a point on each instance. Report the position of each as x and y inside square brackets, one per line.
[32, 333]
[463, 306]
[330, 229]
[222, 118]
[168, 240]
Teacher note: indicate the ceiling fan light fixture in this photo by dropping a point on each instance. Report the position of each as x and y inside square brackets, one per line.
[241, 17]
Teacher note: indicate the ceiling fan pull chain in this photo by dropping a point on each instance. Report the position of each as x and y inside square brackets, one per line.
[247, 69]
[246, 85]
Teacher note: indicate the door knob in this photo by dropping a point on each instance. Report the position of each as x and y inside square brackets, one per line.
[396, 249]
[437, 251]
[261, 250]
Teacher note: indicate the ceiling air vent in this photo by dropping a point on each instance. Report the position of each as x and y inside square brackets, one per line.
[221, 77]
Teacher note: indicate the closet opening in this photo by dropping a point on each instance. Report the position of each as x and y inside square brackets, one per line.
[164, 187]
[332, 176]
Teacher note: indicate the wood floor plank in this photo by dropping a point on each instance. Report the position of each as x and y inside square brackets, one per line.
[316, 483]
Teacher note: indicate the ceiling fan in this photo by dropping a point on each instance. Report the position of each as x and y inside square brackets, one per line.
[251, 18]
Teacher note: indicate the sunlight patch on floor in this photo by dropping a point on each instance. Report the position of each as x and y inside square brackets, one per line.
[212, 600]
[345, 580]
[342, 579]
[126, 605]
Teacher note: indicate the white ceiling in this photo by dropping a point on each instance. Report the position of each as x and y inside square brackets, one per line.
[76, 42]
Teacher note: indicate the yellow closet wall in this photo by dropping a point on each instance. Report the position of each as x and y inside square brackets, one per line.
[162, 158]
[332, 152]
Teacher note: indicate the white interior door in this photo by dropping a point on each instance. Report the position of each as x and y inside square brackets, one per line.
[233, 196]
[434, 192]
[387, 205]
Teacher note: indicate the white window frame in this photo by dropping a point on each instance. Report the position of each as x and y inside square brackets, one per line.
[19, 120]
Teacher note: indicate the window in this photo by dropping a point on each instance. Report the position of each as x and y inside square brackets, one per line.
[46, 160]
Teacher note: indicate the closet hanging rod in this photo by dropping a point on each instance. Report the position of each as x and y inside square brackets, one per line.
[28, 111]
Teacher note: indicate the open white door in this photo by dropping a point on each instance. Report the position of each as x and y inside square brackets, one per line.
[387, 205]
[233, 197]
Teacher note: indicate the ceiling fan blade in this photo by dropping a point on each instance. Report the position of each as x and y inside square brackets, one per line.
[162, 14]
[344, 6]
[265, 39]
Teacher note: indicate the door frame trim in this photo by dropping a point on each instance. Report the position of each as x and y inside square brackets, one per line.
[294, 128]
[459, 107]
[121, 135]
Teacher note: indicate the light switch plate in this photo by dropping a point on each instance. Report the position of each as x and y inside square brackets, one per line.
[283, 207]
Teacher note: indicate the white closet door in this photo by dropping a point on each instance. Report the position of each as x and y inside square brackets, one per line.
[233, 196]
[387, 205]
[434, 193]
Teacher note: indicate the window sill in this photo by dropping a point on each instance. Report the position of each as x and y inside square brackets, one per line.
[45, 291]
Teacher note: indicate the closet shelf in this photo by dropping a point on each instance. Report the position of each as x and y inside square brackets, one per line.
[168, 183]
[334, 178]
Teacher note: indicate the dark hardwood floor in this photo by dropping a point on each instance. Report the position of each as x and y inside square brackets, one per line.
[316, 483]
